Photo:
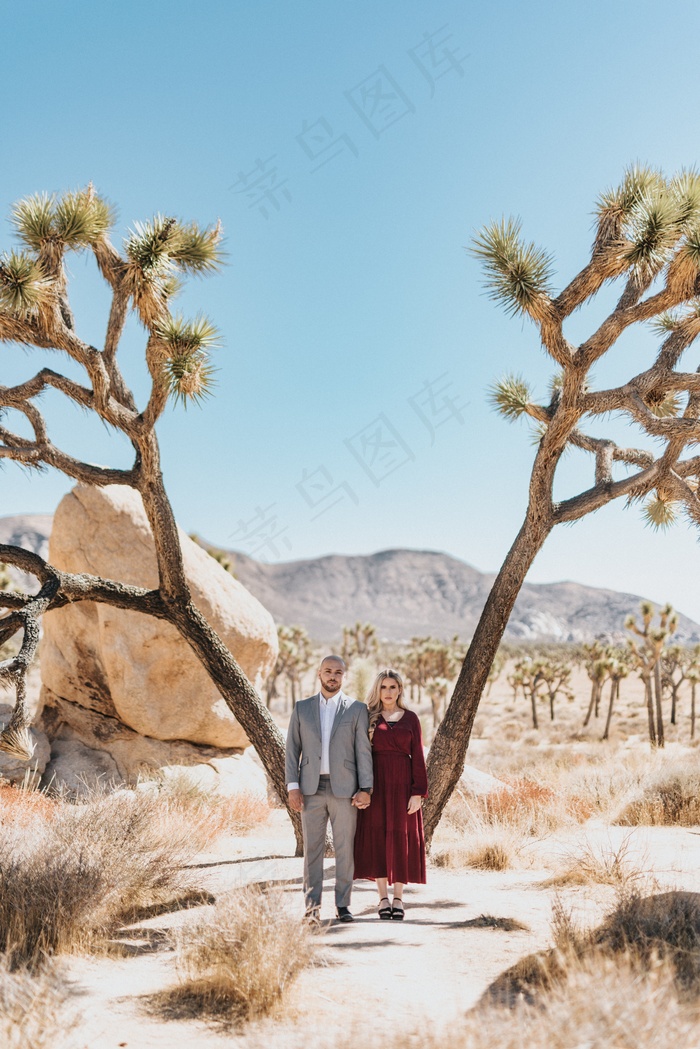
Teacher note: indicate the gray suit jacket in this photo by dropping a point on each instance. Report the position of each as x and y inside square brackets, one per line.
[350, 751]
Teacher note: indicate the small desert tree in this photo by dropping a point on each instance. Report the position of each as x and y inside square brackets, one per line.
[360, 641]
[646, 649]
[676, 661]
[647, 239]
[619, 666]
[35, 311]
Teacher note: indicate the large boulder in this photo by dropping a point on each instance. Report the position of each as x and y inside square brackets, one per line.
[120, 681]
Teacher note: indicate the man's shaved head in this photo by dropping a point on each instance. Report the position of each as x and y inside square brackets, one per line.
[334, 659]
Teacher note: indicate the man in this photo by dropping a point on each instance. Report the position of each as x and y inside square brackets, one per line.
[329, 776]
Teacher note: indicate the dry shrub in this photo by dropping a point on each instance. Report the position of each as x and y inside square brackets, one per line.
[237, 813]
[487, 848]
[668, 798]
[666, 926]
[603, 1004]
[33, 1011]
[80, 873]
[20, 808]
[641, 930]
[239, 959]
[604, 865]
[491, 921]
[216, 813]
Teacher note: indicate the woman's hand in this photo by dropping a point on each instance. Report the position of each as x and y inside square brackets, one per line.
[414, 803]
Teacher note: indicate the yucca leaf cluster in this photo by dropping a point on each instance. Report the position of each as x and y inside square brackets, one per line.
[23, 285]
[72, 220]
[517, 274]
[158, 254]
[510, 396]
[184, 348]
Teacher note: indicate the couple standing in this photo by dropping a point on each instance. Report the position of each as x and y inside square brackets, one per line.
[361, 767]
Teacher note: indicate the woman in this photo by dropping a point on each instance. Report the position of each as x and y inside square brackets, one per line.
[389, 842]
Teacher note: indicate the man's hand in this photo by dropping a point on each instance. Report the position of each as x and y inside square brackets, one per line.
[414, 803]
[296, 800]
[361, 800]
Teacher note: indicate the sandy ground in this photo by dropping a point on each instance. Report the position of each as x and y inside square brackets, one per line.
[371, 974]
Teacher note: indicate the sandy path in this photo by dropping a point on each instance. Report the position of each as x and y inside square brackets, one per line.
[388, 975]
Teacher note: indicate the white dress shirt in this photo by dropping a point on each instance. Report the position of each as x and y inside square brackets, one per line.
[328, 708]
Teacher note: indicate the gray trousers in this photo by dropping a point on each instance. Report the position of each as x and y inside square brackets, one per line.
[318, 809]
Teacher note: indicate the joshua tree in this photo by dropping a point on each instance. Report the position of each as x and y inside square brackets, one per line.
[596, 661]
[359, 640]
[557, 678]
[693, 678]
[530, 677]
[646, 657]
[295, 656]
[495, 672]
[676, 662]
[35, 311]
[619, 666]
[437, 689]
[429, 660]
[647, 239]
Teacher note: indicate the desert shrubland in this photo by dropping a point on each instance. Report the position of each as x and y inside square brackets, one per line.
[34, 1010]
[71, 877]
[240, 958]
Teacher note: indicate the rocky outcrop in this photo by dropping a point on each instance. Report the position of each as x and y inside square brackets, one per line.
[123, 684]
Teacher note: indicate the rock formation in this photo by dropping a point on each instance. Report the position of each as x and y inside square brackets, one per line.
[125, 684]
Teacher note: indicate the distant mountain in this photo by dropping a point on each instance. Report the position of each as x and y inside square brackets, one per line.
[404, 593]
[407, 593]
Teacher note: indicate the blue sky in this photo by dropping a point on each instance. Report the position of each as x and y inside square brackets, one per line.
[350, 150]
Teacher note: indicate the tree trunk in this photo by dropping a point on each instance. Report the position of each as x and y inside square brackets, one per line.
[533, 704]
[551, 705]
[674, 694]
[449, 747]
[660, 742]
[241, 699]
[598, 697]
[650, 710]
[614, 689]
[692, 710]
[234, 687]
[592, 704]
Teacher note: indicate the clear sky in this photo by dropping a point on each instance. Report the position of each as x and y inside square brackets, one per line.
[350, 150]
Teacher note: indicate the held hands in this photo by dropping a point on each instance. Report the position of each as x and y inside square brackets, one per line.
[414, 803]
[361, 800]
[296, 800]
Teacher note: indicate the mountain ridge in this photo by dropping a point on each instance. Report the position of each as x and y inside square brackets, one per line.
[404, 593]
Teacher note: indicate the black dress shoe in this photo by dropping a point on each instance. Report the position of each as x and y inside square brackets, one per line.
[344, 915]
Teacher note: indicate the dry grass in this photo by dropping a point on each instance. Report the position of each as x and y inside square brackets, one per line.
[80, 870]
[33, 1011]
[640, 933]
[603, 1004]
[490, 848]
[665, 797]
[218, 813]
[20, 808]
[239, 960]
[599, 865]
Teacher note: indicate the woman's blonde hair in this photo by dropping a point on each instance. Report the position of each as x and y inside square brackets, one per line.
[374, 701]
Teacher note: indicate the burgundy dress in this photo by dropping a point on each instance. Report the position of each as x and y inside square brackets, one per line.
[388, 842]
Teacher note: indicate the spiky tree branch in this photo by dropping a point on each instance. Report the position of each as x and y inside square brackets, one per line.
[35, 311]
[648, 239]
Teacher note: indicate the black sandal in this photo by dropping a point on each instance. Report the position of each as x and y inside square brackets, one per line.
[397, 913]
[385, 913]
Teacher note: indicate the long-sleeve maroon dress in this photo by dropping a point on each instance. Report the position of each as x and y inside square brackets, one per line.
[388, 842]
